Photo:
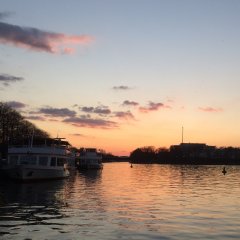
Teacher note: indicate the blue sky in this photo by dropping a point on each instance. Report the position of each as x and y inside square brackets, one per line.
[182, 57]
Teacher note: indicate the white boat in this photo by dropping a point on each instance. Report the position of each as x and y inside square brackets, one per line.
[38, 162]
[89, 158]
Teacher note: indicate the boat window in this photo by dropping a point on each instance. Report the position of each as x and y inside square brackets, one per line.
[43, 161]
[53, 161]
[28, 160]
[13, 160]
[60, 161]
[23, 160]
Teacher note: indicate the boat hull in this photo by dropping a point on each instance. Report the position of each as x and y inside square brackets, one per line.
[89, 166]
[28, 173]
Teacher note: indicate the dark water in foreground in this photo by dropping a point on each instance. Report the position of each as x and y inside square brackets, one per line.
[119, 202]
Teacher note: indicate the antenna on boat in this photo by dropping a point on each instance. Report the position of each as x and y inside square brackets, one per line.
[31, 143]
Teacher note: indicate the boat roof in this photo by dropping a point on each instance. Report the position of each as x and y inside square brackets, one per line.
[41, 141]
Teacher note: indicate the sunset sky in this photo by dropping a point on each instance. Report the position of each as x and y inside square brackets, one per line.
[118, 75]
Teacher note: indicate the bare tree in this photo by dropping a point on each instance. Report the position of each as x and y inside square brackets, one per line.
[14, 128]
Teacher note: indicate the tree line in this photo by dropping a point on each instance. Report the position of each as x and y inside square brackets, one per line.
[14, 128]
[149, 154]
[187, 153]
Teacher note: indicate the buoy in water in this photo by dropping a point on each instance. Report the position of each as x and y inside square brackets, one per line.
[131, 165]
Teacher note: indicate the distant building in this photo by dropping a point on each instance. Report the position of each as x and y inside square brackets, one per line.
[193, 151]
[200, 153]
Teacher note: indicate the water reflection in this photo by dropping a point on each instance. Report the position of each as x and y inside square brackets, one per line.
[31, 193]
[29, 205]
[24, 202]
[91, 176]
[119, 202]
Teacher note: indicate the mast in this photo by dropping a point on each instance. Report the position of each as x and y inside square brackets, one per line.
[182, 134]
[31, 143]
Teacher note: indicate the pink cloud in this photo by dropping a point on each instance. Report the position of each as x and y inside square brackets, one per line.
[210, 109]
[57, 112]
[39, 118]
[68, 51]
[90, 122]
[152, 107]
[101, 110]
[38, 40]
[124, 115]
[130, 103]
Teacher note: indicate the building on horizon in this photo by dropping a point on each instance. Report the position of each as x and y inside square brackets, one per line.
[203, 153]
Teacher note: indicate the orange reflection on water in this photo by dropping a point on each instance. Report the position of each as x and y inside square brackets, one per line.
[143, 202]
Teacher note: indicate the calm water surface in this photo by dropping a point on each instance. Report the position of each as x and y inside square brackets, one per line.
[119, 202]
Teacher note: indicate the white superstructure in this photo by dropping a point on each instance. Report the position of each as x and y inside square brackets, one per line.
[89, 158]
[37, 162]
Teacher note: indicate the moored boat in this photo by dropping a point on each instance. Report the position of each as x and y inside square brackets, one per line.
[46, 160]
[89, 158]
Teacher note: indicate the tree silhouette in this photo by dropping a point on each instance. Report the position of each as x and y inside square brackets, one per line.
[143, 154]
[14, 128]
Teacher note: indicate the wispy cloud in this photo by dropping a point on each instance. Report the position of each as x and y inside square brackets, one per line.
[210, 109]
[39, 40]
[130, 103]
[39, 118]
[16, 105]
[91, 123]
[87, 109]
[152, 107]
[53, 120]
[57, 112]
[77, 134]
[124, 115]
[121, 87]
[7, 79]
[4, 15]
[102, 110]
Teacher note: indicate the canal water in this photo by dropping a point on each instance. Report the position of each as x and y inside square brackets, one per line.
[120, 202]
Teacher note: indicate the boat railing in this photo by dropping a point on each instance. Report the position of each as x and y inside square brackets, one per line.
[39, 145]
[39, 150]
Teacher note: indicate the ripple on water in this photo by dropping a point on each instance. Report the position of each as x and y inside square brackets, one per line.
[119, 202]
